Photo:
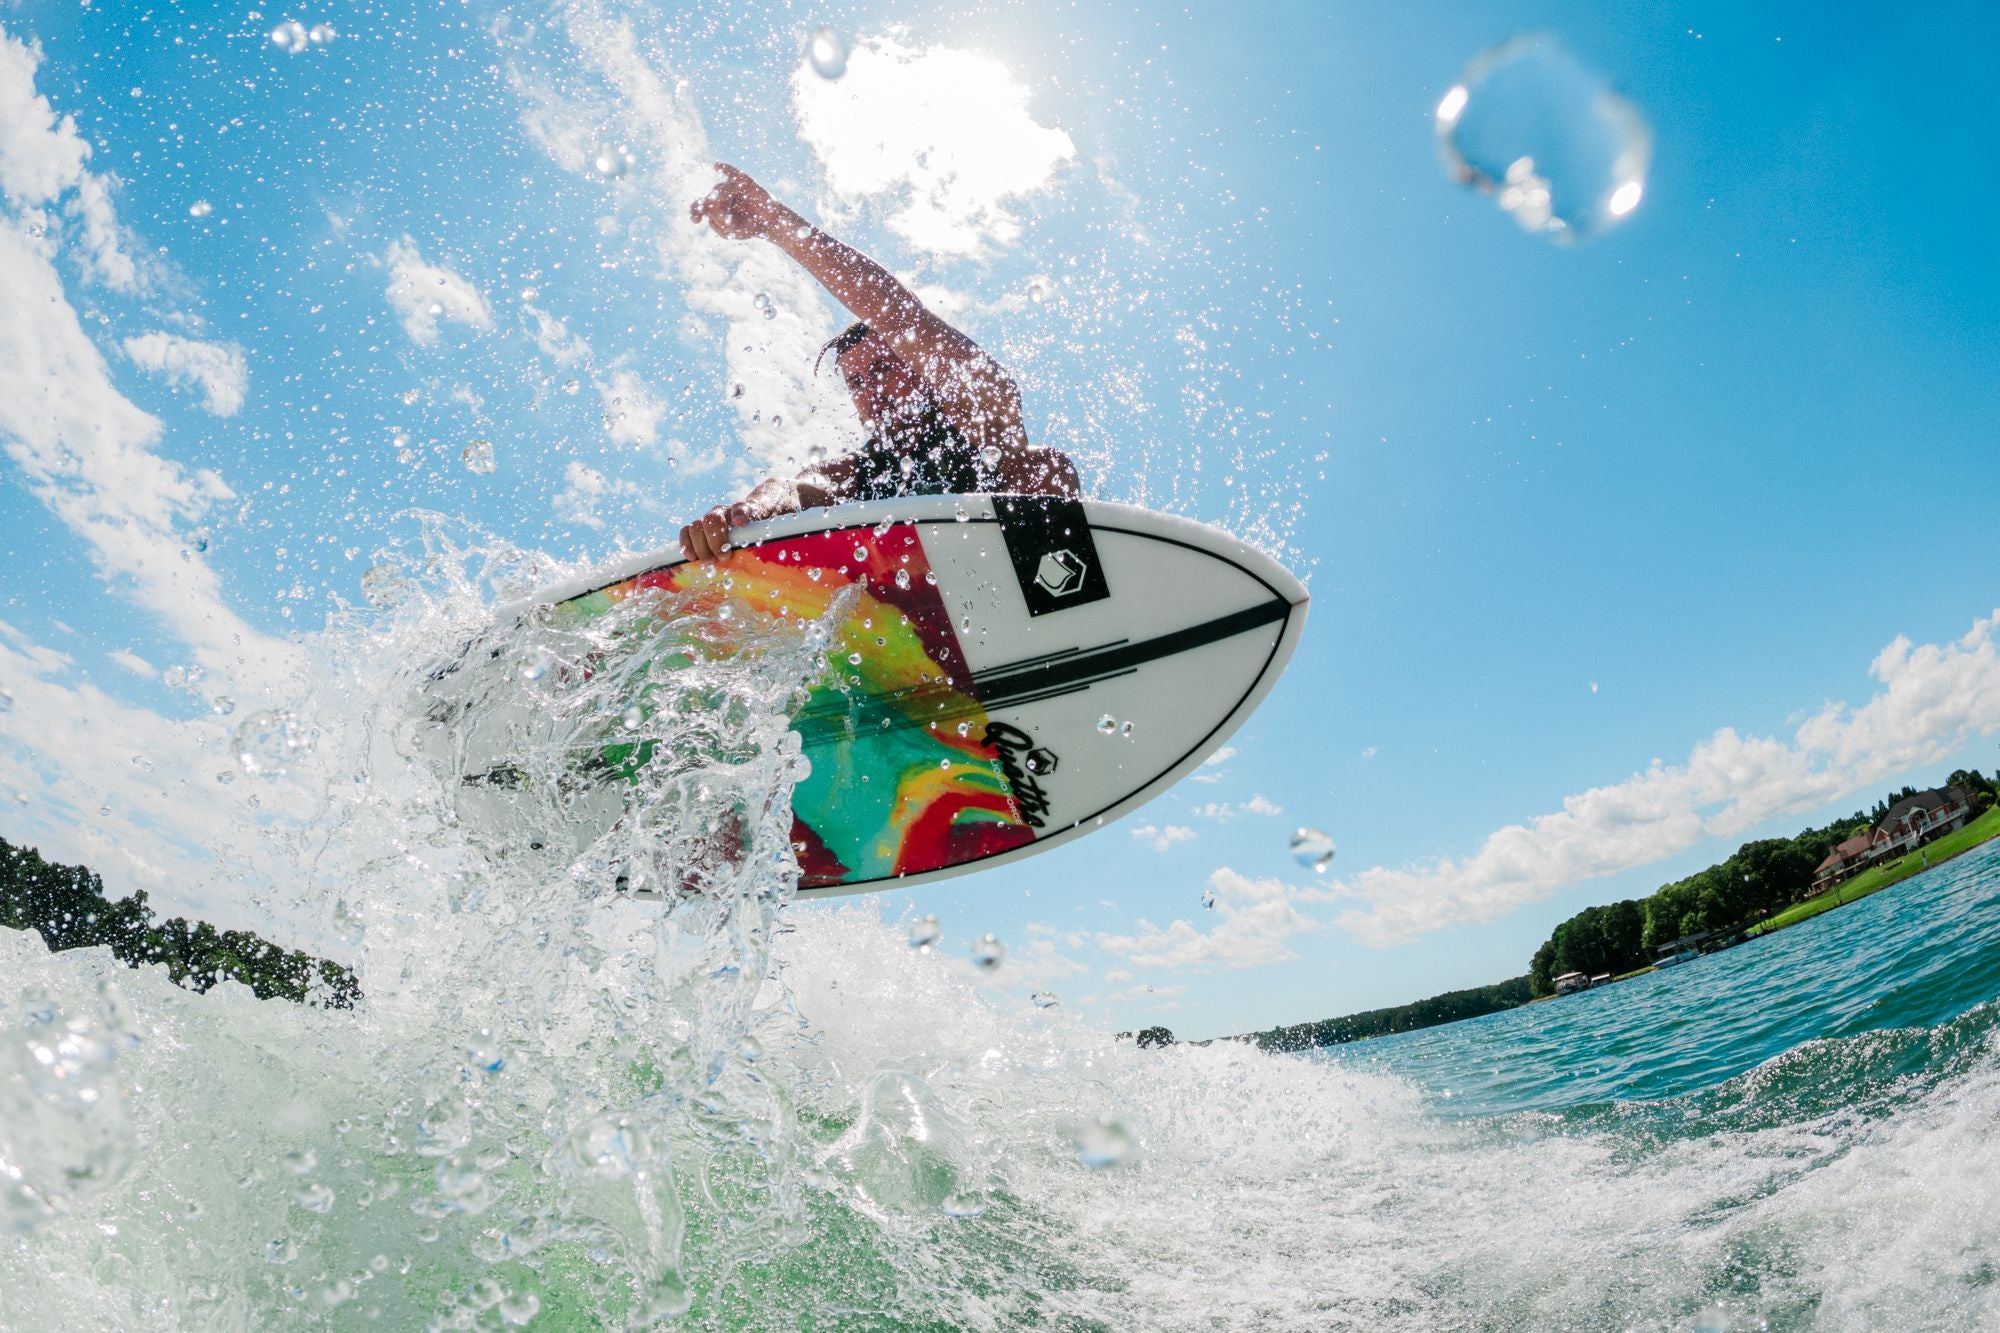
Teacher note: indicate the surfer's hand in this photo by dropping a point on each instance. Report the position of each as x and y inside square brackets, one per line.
[708, 536]
[738, 208]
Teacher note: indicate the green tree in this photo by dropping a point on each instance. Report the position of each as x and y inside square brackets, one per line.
[66, 906]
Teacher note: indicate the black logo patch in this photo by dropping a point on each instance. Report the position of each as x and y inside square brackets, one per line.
[1053, 554]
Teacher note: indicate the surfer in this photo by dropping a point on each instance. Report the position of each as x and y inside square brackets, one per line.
[943, 417]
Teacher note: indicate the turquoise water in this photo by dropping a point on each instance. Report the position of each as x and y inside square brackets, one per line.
[1913, 965]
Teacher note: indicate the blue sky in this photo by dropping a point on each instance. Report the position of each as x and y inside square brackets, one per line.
[1565, 511]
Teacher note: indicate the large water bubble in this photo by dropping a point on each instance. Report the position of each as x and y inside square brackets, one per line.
[267, 742]
[1547, 137]
[1312, 849]
[1103, 1142]
[612, 159]
[988, 952]
[826, 49]
[63, 1121]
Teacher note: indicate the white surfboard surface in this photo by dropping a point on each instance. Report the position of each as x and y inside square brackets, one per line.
[1006, 673]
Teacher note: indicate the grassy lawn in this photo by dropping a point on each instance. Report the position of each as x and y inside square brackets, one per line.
[1882, 876]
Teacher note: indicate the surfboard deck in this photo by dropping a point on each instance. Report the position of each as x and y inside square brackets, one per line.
[994, 676]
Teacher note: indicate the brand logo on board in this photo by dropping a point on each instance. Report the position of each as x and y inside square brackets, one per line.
[1022, 763]
[1061, 572]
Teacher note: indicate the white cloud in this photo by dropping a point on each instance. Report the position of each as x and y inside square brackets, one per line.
[1222, 756]
[1258, 804]
[40, 157]
[80, 447]
[105, 257]
[1159, 839]
[632, 411]
[610, 88]
[122, 789]
[1042, 961]
[133, 663]
[1371, 752]
[1254, 923]
[553, 338]
[86, 453]
[424, 293]
[947, 132]
[217, 369]
[585, 491]
[1934, 697]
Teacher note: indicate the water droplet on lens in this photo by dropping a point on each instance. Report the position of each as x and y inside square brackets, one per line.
[988, 952]
[266, 742]
[315, 1198]
[289, 36]
[1312, 849]
[633, 717]
[1107, 724]
[990, 455]
[1044, 999]
[611, 160]
[321, 33]
[1208, 899]
[300, 1161]
[902, 578]
[924, 932]
[280, 1251]
[222, 705]
[200, 208]
[1104, 1142]
[962, 1205]
[534, 666]
[749, 1049]
[860, 553]
[1125, 730]
[1545, 135]
[200, 538]
[383, 586]
[477, 457]
[571, 386]
[854, 659]
[827, 50]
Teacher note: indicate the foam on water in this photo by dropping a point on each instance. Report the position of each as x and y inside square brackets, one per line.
[560, 1106]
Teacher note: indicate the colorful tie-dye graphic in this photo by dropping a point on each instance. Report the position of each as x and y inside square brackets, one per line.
[902, 779]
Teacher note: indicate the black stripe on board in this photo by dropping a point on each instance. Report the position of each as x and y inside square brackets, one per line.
[994, 689]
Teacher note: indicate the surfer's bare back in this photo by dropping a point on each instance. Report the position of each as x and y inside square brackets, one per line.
[943, 417]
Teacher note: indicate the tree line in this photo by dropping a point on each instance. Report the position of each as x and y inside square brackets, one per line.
[1762, 877]
[66, 906]
[1447, 1008]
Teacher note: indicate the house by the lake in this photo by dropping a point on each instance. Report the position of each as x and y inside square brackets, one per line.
[1907, 825]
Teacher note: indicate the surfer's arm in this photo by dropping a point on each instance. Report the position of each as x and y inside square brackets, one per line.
[972, 389]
